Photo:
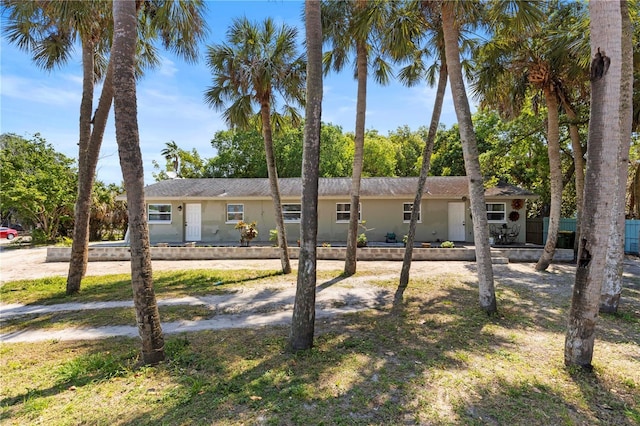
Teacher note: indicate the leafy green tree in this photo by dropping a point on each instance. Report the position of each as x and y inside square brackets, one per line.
[37, 184]
[379, 155]
[49, 31]
[240, 153]
[447, 158]
[108, 215]
[192, 166]
[128, 138]
[512, 64]
[408, 150]
[336, 152]
[258, 62]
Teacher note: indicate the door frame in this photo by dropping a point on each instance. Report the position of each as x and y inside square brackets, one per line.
[187, 208]
[452, 228]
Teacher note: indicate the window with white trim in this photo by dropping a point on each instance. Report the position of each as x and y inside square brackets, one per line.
[406, 212]
[343, 212]
[235, 213]
[496, 212]
[291, 212]
[159, 213]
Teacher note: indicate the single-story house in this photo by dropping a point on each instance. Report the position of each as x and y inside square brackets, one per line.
[207, 210]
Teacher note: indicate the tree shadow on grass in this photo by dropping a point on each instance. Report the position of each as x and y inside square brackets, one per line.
[437, 360]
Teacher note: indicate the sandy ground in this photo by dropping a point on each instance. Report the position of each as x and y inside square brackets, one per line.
[29, 263]
[257, 307]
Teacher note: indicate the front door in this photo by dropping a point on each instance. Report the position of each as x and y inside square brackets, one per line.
[457, 231]
[192, 222]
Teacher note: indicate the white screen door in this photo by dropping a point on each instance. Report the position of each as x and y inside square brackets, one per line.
[193, 222]
[456, 222]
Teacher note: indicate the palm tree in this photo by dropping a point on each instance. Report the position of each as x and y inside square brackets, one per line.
[303, 322]
[48, 29]
[255, 64]
[512, 63]
[472, 164]
[172, 153]
[430, 23]
[126, 116]
[609, 135]
[355, 28]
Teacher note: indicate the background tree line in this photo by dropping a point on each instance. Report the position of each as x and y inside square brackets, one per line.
[511, 151]
[38, 190]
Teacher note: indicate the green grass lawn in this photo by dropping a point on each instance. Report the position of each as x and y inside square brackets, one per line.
[439, 360]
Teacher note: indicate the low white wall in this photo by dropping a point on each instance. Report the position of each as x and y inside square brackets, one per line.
[97, 254]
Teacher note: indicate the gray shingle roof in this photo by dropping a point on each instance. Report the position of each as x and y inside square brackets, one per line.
[378, 187]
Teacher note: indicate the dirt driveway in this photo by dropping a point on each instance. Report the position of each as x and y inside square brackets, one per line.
[29, 263]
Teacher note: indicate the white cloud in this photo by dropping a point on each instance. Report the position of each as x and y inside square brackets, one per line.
[49, 92]
[167, 67]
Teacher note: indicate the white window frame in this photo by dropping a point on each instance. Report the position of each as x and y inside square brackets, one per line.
[347, 212]
[158, 207]
[491, 214]
[406, 212]
[295, 212]
[240, 212]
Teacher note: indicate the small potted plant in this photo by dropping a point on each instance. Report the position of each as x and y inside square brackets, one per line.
[405, 239]
[362, 240]
[248, 231]
[447, 244]
[273, 236]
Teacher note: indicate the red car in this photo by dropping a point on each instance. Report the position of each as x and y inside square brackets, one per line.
[8, 233]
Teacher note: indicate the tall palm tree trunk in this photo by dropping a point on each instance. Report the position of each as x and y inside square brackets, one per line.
[578, 162]
[612, 285]
[303, 322]
[487, 296]
[89, 153]
[422, 180]
[609, 125]
[358, 158]
[555, 171]
[126, 115]
[265, 111]
[77, 264]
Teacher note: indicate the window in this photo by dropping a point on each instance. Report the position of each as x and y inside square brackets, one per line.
[291, 212]
[235, 212]
[406, 212]
[496, 212]
[159, 213]
[343, 214]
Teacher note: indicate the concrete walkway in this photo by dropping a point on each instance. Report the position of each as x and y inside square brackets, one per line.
[248, 308]
[264, 306]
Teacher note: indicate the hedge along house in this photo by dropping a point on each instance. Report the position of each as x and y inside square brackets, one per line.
[207, 210]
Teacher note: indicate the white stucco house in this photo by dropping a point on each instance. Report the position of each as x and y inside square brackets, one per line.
[207, 210]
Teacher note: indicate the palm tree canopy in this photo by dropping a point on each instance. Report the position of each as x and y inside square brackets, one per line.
[258, 64]
[511, 63]
[49, 30]
[345, 24]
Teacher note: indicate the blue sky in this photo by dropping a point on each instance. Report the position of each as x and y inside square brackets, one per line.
[170, 98]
